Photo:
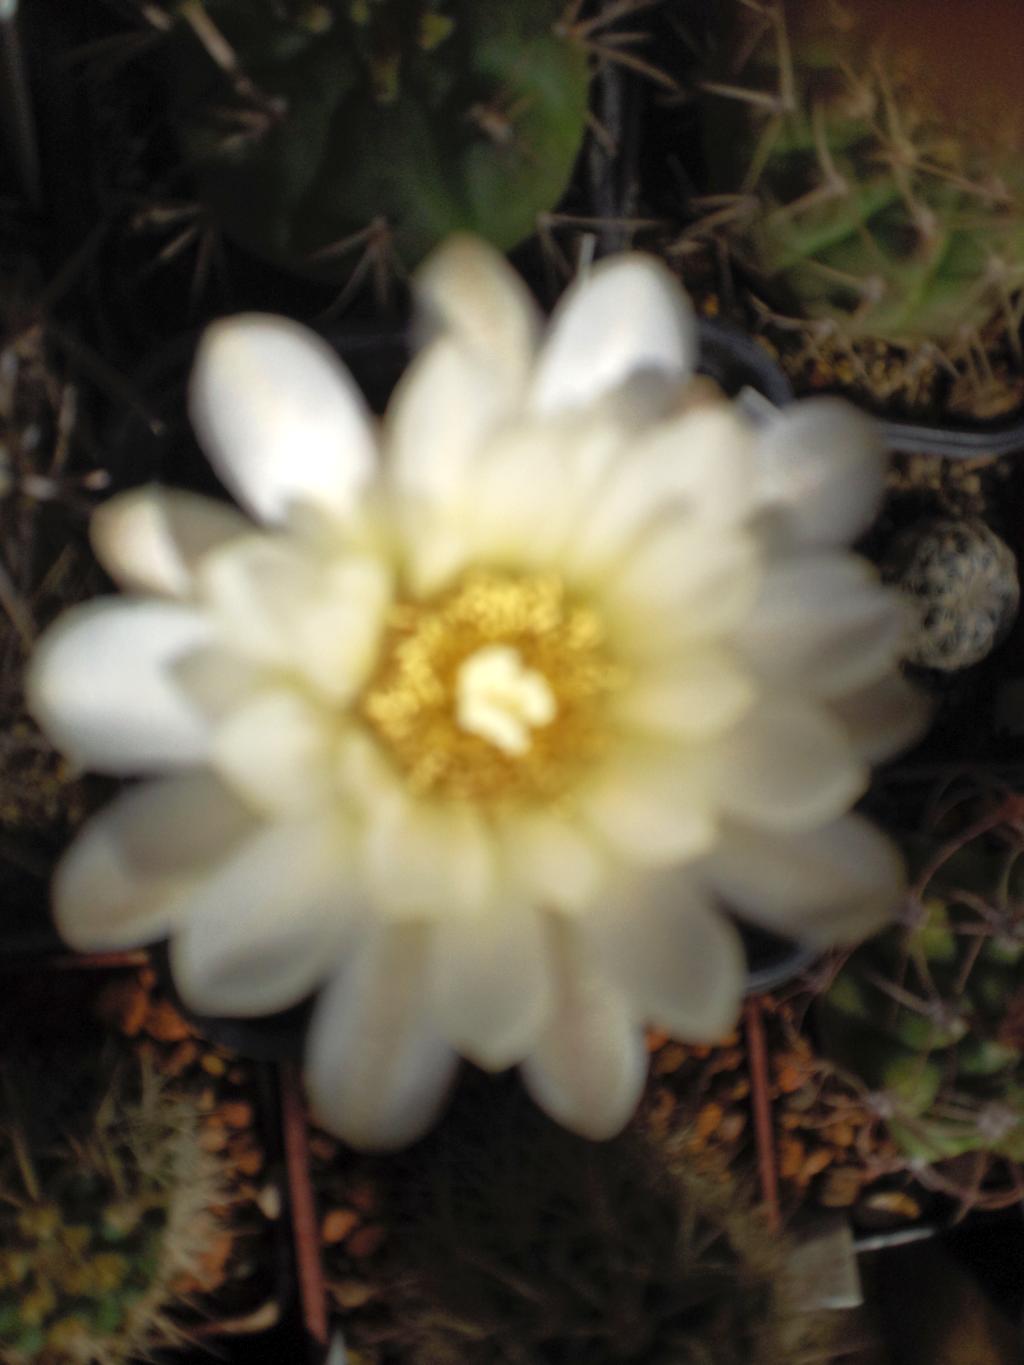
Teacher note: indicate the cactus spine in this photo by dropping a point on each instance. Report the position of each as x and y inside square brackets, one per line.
[859, 203]
[99, 1217]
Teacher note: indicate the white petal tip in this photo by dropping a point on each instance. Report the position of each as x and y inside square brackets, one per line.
[628, 318]
[280, 417]
[99, 685]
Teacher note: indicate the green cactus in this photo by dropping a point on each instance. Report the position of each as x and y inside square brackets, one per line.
[104, 1204]
[861, 203]
[930, 1014]
[377, 123]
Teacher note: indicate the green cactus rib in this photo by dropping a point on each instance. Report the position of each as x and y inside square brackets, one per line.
[389, 124]
[857, 202]
[98, 1217]
[931, 1016]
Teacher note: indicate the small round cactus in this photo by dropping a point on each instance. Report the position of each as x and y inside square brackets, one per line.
[378, 125]
[102, 1210]
[961, 580]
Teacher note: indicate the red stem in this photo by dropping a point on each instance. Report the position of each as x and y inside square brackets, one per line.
[761, 1105]
[305, 1227]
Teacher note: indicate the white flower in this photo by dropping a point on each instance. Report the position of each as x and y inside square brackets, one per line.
[484, 713]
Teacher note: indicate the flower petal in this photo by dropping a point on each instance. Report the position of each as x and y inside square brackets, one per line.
[824, 623]
[787, 765]
[532, 487]
[651, 802]
[679, 960]
[627, 318]
[446, 405]
[434, 544]
[427, 859]
[820, 469]
[700, 462]
[884, 717]
[557, 862]
[335, 632]
[280, 417]
[829, 885]
[490, 983]
[149, 540]
[694, 696]
[683, 581]
[100, 685]
[288, 610]
[259, 932]
[366, 781]
[589, 1066]
[377, 1072]
[277, 751]
[469, 289]
[251, 588]
[519, 495]
[117, 884]
[218, 681]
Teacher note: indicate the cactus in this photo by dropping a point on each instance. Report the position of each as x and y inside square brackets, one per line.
[104, 1205]
[45, 562]
[380, 124]
[862, 203]
[930, 1014]
[960, 580]
[520, 1242]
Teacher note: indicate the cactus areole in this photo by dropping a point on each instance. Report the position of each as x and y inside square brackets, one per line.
[378, 124]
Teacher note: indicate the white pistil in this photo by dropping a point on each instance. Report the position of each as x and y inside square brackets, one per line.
[502, 700]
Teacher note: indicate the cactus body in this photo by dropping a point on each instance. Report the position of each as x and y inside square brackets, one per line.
[961, 582]
[403, 120]
[932, 1016]
[521, 1242]
[98, 1219]
[863, 202]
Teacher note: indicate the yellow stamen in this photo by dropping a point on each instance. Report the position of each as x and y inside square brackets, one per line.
[495, 690]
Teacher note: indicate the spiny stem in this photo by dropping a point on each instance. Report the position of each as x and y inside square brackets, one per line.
[377, 260]
[761, 99]
[784, 52]
[571, 26]
[155, 15]
[16, 610]
[601, 49]
[29, 1177]
[224, 55]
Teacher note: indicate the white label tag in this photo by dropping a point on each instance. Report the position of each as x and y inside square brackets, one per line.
[823, 1266]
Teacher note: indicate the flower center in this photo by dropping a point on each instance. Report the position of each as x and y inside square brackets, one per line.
[495, 690]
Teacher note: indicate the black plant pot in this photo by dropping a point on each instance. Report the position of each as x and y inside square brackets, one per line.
[956, 442]
[736, 361]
